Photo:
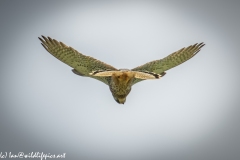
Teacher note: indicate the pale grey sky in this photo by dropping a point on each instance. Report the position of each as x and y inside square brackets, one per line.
[191, 113]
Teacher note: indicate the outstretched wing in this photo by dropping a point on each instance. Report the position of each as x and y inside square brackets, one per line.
[83, 65]
[173, 60]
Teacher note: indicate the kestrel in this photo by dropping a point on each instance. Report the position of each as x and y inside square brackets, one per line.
[119, 81]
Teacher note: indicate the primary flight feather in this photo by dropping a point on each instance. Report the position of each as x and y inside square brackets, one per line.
[119, 81]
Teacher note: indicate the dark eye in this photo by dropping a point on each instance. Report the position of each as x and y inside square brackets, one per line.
[117, 100]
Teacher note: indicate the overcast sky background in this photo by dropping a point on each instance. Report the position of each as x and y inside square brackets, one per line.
[191, 113]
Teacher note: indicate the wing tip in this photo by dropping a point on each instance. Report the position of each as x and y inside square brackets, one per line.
[41, 39]
[200, 45]
[47, 41]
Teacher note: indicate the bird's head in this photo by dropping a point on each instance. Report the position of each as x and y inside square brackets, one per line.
[120, 84]
[120, 99]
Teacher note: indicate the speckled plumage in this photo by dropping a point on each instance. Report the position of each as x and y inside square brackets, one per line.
[119, 81]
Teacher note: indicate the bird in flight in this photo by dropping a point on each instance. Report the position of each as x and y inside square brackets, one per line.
[119, 81]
